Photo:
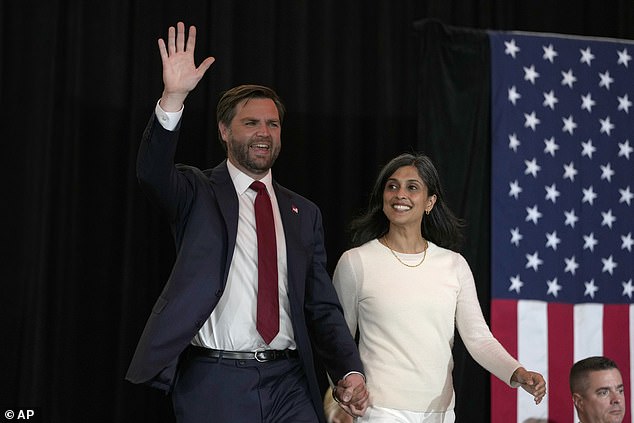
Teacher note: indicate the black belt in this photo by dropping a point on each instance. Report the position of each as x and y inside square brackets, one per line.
[261, 356]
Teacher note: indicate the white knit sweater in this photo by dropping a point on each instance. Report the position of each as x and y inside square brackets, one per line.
[406, 318]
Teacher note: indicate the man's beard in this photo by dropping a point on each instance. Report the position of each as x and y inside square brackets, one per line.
[240, 153]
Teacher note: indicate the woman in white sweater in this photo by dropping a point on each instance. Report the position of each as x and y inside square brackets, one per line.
[406, 291]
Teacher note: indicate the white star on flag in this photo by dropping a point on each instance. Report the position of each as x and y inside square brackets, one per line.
[569, 124]
[514, 95]
[551, 146]
[586, 56]
[550, 100]
[532, 214]
[588, 149]
[530, 74]
[549, 53]
[589, 242]
[587, 102]
[511, 48]
[624, 57]
[606, 80]
[624, 103]
[531, 167]
[626, 195]
[591, 288]
[568, 78]
[515, 189]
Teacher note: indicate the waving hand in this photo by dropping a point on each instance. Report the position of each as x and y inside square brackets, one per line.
[180, 74]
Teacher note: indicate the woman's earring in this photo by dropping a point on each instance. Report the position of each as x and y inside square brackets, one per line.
[427, 212]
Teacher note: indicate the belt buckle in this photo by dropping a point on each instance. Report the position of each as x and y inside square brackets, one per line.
[259, 360]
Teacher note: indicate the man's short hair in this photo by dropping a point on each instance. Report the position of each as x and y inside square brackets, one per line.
[579, 371]
[226, 108]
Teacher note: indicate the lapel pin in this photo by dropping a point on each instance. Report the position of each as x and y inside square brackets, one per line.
[294, 209]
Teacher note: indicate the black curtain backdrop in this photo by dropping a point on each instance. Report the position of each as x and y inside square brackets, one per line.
[85, 255]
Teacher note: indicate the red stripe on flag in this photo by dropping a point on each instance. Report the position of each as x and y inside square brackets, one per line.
[504, 327]
[560, 359]
[616, 343]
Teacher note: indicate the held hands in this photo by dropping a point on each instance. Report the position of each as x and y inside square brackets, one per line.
[180, 74]
[531, 382]
[352, 395]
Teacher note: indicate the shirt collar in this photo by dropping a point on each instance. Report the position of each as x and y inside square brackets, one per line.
[242, 181]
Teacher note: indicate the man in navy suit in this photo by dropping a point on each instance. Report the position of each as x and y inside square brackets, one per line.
[201, 342]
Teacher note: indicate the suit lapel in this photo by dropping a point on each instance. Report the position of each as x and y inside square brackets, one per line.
[228, 204]
[291, 220]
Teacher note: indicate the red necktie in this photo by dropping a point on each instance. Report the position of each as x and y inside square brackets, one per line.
[268, 320]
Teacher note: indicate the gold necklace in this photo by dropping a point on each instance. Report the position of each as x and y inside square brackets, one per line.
[401, 261]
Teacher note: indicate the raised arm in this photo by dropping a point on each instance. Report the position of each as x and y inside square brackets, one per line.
[180, 74]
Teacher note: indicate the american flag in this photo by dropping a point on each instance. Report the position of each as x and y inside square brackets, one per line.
[562, 212]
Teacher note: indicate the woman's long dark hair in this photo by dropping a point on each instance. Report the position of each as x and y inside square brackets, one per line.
[440, 226]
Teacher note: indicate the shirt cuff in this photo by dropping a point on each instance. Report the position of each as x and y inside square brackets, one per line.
[168, 120]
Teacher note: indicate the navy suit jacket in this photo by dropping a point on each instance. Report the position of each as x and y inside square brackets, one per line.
[202, 207]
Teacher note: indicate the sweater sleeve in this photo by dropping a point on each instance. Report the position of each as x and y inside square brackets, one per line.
[345, 281]
[475, 332]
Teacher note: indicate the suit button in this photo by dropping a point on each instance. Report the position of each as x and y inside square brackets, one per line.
[218, 293]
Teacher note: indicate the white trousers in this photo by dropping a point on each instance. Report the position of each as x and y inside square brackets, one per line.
[390, 415]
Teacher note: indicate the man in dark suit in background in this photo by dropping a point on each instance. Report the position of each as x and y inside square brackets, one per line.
[203, 341]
